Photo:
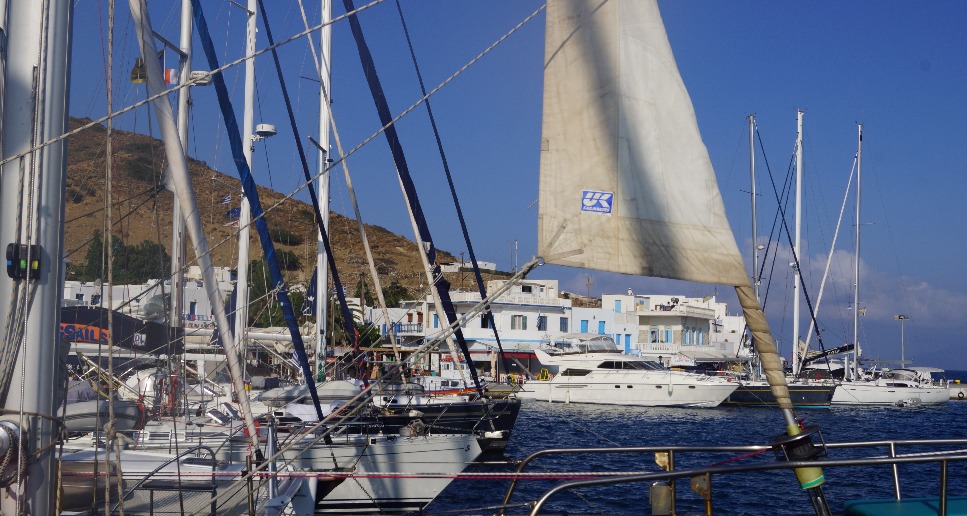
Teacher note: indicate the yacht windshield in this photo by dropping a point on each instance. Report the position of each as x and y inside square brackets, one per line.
[636, 365]
[584, 343]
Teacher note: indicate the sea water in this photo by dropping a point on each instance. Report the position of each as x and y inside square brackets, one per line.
[544, 425]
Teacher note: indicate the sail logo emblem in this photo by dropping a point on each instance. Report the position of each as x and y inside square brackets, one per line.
[597, 202]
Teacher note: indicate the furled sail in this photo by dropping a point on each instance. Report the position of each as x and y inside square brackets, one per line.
[626, 182]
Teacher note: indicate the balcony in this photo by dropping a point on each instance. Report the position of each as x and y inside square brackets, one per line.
[408, 329]
[678, 311]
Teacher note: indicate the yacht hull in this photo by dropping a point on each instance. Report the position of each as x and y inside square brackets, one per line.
[396, 475]
[803, 396]
[666, 389]
[492, 421]
[383, 473]
[958, 393]
[862, 393]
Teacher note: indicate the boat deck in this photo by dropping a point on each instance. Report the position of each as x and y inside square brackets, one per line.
[956, 506]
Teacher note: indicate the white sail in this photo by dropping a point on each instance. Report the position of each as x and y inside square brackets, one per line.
[626, 182]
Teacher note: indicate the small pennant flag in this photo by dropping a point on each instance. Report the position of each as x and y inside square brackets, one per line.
[233, 213]
[226, 200]
[232, 224]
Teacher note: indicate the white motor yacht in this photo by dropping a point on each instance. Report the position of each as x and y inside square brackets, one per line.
[591, 369]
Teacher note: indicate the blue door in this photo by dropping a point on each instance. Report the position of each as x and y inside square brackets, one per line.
[600, 327]
[584, 326]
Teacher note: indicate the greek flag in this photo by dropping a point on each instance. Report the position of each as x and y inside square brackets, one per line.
[226, 200]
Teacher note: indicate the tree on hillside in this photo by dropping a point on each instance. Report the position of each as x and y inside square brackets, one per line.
[368, 334]
[264, 310]
[93, 266]
[141, 262]
[132, 264]
[394, 293]
[362, 292]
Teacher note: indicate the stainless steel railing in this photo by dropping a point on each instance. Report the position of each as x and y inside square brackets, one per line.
[666, 457]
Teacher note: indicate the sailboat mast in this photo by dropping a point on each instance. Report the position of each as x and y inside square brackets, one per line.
[322, 264]
[755, 219]
[178, 244]
[796, 246]
[756, 365]
[245, 215]
[183, 188]
[35, 62]
[856, 255]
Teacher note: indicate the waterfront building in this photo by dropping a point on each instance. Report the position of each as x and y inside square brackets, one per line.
[145, 300]
[677, 329]
[621, 326]
[682, 330]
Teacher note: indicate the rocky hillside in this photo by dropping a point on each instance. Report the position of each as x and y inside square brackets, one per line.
[142, 211]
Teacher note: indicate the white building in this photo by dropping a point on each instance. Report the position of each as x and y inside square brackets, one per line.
[526, 316]
[681, 329]
[144, 301]
[456, 266]
[621, 326]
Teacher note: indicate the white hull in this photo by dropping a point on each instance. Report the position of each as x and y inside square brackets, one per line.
[958, 393]
[402, 472]
[873, 393]
[642, 389]
[599, 373]
[387, 473]
[138, 466]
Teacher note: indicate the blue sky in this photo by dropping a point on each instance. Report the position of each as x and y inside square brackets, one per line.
[896, 66]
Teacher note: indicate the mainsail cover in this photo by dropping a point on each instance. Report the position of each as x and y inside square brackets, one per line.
[626, 183]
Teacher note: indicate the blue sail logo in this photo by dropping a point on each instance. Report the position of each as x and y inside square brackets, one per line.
[597, 202]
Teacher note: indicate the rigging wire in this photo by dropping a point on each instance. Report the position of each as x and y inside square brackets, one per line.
[829, 260]
[456, 201]
[265, 150]
[325, 104]
[151, 192]
[344, 307]
[187, 84]
[344, 155]
[251, 191]
[324, 428]
[809, 304]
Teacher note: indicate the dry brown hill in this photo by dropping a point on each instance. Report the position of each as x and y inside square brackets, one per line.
[142, 211]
